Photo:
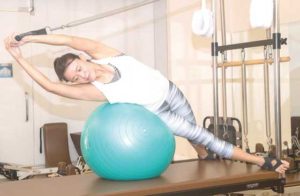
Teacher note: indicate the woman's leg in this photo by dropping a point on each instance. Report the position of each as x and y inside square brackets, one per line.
[176, 112]
[177, 103]
[195, 134]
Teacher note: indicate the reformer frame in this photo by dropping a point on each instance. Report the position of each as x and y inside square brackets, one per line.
[185, 178]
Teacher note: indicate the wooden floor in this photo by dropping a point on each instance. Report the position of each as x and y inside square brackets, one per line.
[180, 178]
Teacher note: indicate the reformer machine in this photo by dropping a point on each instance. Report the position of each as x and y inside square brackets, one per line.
[20, 172]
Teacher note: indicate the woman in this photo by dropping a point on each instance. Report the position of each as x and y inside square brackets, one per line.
[117, 78]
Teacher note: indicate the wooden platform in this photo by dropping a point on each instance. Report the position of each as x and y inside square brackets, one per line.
[183, 178]
[293, 179]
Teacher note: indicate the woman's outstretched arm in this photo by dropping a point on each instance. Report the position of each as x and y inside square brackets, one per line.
[78, 91]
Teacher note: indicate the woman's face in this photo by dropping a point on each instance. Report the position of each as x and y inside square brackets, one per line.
[79, 71]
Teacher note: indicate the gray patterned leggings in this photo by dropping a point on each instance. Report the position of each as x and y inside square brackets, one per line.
[176, 112]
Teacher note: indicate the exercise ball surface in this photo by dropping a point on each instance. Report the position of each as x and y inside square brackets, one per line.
[126, 142]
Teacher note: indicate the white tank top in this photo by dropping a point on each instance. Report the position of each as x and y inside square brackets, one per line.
[138, 84]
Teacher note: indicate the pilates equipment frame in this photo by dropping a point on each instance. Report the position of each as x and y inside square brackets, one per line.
[276, 42]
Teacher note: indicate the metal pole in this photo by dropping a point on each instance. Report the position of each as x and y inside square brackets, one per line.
[252, 44]
[103, 15]
[223, 25]
[277, 102]
[224, 92]
[215, 68]
[84, 20]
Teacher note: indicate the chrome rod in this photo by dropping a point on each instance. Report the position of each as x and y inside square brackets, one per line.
[223, 26]
[215, 69]
[277, 101]
[224, 57]
[103, 15]
[26, 107]
[31, 6]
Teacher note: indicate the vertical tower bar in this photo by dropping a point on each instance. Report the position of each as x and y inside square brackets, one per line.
[215, 68]
[277, 102]
[223, 33]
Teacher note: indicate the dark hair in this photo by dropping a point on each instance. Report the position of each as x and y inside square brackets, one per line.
[61, 63]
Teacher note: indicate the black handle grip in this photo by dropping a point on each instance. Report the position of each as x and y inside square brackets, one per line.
[36, 32]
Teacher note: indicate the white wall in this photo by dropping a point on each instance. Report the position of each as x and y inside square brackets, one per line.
[237, 13]
[16, 140]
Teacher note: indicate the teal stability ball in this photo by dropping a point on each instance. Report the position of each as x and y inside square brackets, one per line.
[126, 142]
